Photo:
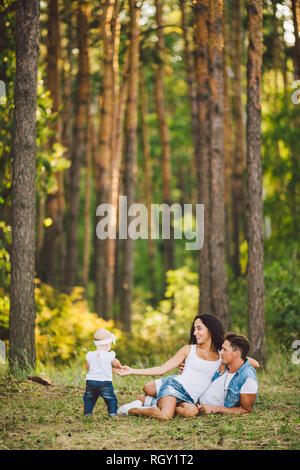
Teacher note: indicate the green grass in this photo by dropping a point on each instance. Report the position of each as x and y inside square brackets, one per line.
[33, 416]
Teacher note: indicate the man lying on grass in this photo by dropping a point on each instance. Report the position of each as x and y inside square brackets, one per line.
[232, 390]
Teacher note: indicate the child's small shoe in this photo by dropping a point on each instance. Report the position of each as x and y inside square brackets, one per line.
[123, 410]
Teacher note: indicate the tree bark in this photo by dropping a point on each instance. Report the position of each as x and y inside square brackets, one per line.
[148, 178]
[81, 114]
[103, 165]
[87, 201]
[219, 295]
[67, 70]
[168, 244]
[228, 140]
[113, 190]
[201, 9]
[116, 171]
[296, 22]
[22, 302]
[239, 151]
[256, 296]
[55, 205]
[130, 162]
[190, 78]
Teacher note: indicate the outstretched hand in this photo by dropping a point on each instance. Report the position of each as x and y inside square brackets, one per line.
[124, 370]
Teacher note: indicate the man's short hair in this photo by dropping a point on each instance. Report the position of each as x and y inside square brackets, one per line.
[238, 342]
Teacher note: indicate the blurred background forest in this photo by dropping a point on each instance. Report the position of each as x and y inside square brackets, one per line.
[98, 60]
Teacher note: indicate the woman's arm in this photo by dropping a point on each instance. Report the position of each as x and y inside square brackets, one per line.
[253, 363]
[159, 370]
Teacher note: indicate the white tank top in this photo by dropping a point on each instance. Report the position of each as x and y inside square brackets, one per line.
[197, 374]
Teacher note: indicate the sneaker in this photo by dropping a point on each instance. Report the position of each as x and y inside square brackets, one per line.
[112, 415]
[123, 410]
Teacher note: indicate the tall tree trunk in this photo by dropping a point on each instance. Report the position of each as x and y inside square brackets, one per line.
[148, 177]
[81, 114]
[55, 206]
[239, 151]
[22, 302]
[67, 69]
[130, 162]
[201, 9]
[116, 152]
[219, 295]
[103, 165]
[228, 140]
[90, 130]
[277, 47]
[190, 78]
[296, 22]
[168, 244]
[116, 170]
[256, 296]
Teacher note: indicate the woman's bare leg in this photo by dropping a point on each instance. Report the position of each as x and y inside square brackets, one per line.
[164, 411]
[187, 410]
[150, 389]
[142, 398]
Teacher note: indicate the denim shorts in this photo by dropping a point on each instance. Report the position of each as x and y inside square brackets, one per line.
[171, 387]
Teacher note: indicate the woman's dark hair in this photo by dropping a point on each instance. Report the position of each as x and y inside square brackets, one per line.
[215, 328]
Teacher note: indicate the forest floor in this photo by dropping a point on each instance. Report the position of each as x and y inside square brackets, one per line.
[34, 416]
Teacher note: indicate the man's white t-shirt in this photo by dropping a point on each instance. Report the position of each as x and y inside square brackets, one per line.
[215, 394]
[100, 365]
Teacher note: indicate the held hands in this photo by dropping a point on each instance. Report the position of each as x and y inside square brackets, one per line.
[123, 370]
[205, 409]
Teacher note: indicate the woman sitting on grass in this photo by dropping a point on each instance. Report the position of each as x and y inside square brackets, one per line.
[202, 360]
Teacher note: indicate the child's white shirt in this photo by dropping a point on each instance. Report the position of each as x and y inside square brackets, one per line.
[100, 365]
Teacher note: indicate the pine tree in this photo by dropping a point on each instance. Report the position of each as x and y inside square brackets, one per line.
[22, 302]
[130, 154]
[256, 297]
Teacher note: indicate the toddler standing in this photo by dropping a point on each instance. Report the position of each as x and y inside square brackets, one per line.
[99, 377]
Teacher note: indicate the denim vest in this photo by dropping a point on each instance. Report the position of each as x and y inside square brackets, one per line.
[246, 371]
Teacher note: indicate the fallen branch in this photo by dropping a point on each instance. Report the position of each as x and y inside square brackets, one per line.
[35, 378]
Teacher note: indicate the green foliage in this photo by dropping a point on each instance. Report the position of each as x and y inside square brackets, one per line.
[4, 315]
[5, 241]
[49, 159]
[64, 325]
[6, 4]
[163, 330]
[238, 302]
[281, 147]
[283, 302]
